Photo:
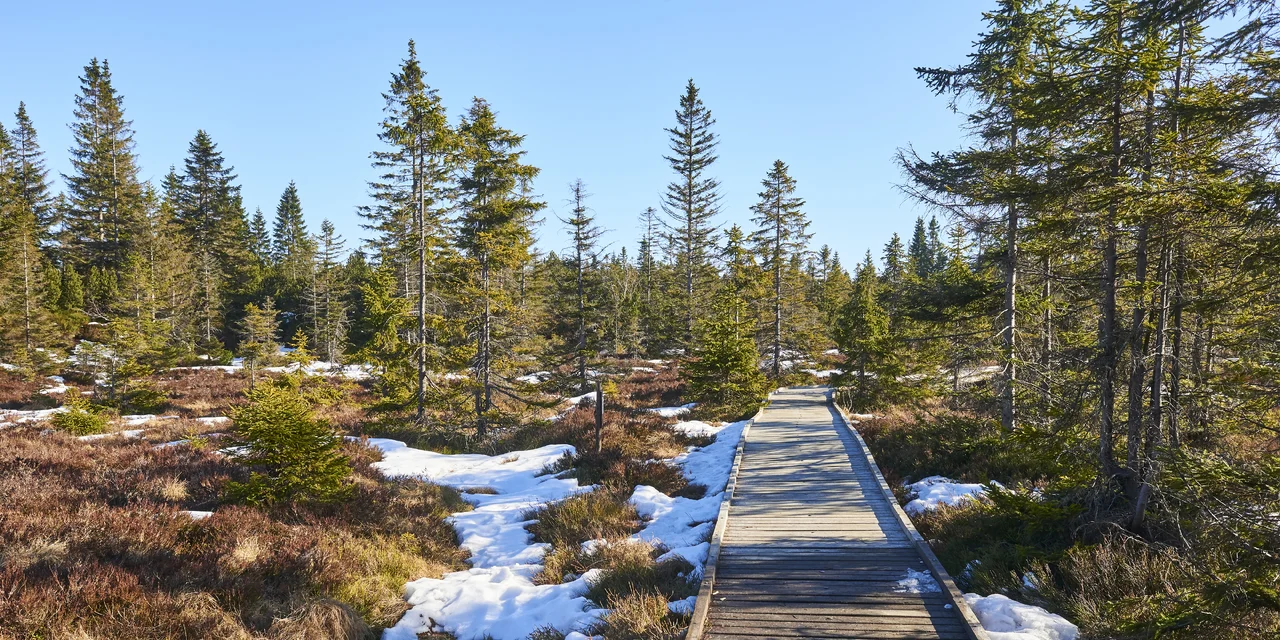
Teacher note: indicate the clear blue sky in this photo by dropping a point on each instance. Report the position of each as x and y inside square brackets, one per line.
[291, 91]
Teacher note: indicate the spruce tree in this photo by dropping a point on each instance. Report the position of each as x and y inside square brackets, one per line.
[781, 235]
[863, 337]
[292, 247]
[411, 204]
[691, 203]
[723, 372]
[258, 335]
[325, 307]
[381, 316]
[494, 234]
[105, 196]
[207, 210]
[24, 318]
[30, 176]
[919, 257]
[577, 299]
[294, 455]
[261, 246]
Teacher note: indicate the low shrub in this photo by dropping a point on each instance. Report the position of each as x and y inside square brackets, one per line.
[80, 418]
[145, 399]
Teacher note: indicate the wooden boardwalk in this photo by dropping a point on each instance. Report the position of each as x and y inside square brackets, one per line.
[810, 543]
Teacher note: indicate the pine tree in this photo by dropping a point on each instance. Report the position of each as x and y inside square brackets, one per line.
[494, 234]
[691, 202]
[295, 456]
[105, 194]
[781, 235]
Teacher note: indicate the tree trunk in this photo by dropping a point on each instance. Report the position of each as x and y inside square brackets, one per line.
[1106, 364]
[483, 395]
[1046, 331]
[1154, 436]
[421, 222]
[599, 418]
[777, 295]
[1008, 416]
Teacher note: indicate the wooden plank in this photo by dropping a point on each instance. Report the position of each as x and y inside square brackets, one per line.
[808, 543]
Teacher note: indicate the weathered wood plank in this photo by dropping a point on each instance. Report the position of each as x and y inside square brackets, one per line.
[811, 545]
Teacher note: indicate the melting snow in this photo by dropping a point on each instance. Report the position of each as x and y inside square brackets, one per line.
[1006, 619]
[918, 582]
[497, 597]
[937, 491]
[132, 434]
[673, 412]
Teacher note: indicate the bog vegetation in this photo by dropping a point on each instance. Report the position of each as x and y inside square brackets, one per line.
[1087, 316]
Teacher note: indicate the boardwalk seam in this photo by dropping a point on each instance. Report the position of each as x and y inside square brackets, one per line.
[702, 605]
[972, 626]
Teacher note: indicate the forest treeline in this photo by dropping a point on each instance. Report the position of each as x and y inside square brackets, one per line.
[1115, 247]
[447, 278]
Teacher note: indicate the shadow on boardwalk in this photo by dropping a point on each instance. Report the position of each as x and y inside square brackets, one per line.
[812, 546]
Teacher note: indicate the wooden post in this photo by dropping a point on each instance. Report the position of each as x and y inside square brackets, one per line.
[599, 417]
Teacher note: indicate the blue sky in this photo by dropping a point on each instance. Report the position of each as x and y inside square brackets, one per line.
[291, 91]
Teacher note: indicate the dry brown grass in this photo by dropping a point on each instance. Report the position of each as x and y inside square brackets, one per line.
[94, 546]
[19, 393]
[201, 392]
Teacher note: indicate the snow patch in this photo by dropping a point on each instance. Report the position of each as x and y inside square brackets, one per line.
[938, 491]
[918, 582]
[497, 595]
[673, 412]
[132, 434]
[1006, 619]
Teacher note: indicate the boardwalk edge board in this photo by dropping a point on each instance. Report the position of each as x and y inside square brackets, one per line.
[702, 606]
[950, 590]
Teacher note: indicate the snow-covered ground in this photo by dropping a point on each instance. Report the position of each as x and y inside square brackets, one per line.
[131, 435]
[59, 386]
[1006, 619]
[317, 368]
[938, 491]
[673, 412]
[30, 415]
[496, 597]
[1002, 617]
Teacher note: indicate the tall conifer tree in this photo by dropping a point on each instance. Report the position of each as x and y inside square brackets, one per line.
[494, 233]
[692, 201]
[105, 196]
[782, 234]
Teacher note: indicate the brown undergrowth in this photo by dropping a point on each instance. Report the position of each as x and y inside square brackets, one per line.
[94, 543]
